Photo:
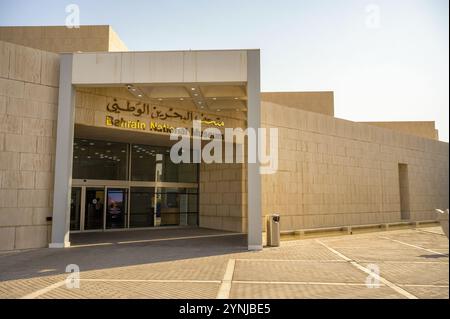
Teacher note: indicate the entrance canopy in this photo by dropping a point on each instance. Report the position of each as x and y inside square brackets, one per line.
[203, 81]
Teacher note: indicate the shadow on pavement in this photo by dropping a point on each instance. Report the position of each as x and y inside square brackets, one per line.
[94, 251]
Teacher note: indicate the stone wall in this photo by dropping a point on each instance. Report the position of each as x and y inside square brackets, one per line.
[318, 102]
[58, 39]
[223, 196]
[28, 110]
[425, 129]
[334, 172]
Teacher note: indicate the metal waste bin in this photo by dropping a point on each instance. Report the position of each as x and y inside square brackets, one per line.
[273, 230]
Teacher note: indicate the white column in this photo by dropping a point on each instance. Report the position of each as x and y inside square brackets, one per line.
[63, 157]
[253, 176]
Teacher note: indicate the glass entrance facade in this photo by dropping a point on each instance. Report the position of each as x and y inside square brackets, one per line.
[119, 185]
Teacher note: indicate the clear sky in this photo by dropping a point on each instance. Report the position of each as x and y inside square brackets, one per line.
[384, 59]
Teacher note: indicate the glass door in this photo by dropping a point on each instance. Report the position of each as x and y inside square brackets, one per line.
[75, 208]
[94, 208]
[116, 211]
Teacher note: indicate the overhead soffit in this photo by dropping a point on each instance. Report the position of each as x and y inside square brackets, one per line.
[202, 97]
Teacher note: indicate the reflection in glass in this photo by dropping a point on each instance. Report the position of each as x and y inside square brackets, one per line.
[141, 206]
[95, 199]
[177, 206]
[151, 164]
[99, 160]
[75, 208]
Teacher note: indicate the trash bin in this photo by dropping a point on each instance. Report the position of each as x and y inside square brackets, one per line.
[273, 230]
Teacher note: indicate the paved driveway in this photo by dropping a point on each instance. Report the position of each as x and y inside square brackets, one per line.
[199, 263]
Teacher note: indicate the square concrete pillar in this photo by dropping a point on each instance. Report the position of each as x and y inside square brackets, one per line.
[63, 157]
[254, 232]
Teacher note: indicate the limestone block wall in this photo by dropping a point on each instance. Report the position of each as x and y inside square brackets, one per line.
[334, 172]
[425, 129]
[223, 196]
[87, 38]
[318, 102]
[28, 110]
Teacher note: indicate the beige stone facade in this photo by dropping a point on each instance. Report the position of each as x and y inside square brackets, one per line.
[426, 129]
[60, 39]
[331, 172]
[28, 98]
[335, 172]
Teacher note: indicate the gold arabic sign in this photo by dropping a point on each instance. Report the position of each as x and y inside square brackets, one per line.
[138, 109]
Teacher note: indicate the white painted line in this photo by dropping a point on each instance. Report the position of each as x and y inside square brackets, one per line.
[42, 291]
[154, 280]
[176, 238]
[292, 260]
[154, 240]
[426, 286]
[371, 273]
[414, 246]
[299, 283]
[225, 287]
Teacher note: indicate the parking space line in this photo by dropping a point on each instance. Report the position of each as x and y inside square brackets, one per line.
[42, 291]
[225, 287]
[291, 260]
[154, 280]
[414, 246]
[425, 286]
[371, 273]
[298, 283]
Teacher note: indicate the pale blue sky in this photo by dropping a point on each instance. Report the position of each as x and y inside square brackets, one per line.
[398, 71]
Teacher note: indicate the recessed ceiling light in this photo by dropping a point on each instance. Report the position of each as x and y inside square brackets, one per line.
[200, 102]
[193, 89]
[181, 99]
[202, 107]
[218, 110]
[214, 98]
[236, 98]
[140, 95]
[160, 99]
[133, 89]
[195, 94]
